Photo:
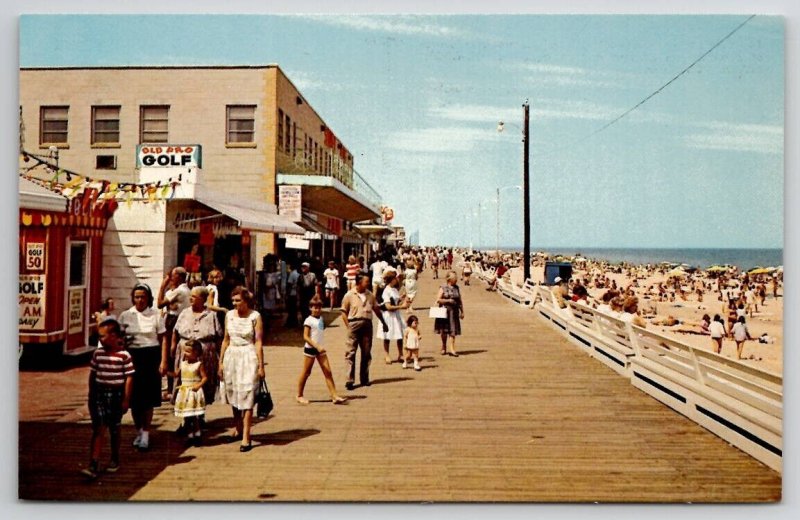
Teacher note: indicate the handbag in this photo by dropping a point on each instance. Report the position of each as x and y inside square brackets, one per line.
[437, 312]
[264, 404]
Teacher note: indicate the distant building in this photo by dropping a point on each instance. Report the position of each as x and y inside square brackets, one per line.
[242, 141]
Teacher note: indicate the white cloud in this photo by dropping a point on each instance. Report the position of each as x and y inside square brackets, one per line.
[391, 24]
[440, 139]
[763, 139]
[489, 114]
[306, 82]
[548, 74]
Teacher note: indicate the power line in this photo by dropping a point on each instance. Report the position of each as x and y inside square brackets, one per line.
[661, 88]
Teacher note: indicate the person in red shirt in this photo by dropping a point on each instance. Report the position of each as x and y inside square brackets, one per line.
[191, 262]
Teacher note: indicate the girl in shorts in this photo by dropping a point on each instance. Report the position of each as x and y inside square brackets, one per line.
[313, 330]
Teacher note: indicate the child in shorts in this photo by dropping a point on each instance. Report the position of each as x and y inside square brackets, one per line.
[110, 387]
[313, 329]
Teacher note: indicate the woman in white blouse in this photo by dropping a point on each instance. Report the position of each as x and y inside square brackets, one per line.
[148, 347]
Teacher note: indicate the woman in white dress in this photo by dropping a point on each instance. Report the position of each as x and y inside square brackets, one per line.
[241, 362]
[391, 304]
[410, 282]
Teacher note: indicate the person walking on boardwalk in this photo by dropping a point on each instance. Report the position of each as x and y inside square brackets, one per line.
[307, 288]
[149, 349]
[411, 341]
[313, 333]
[110, 388]
[449, 297]
[292, 281]
[358, 306]
[241, 362]
[410, 281]
[392, 304]
[740, 335]
[717, 331]
[190, 400]
[200, 324]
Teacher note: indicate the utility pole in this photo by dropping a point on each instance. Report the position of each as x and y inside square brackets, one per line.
[525, 192]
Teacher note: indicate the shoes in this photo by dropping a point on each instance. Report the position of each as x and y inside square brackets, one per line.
[405, 365]
[443, 352]
[417, 368]
[246, 447]
[91, 471]
[137, 440]
[144, 443]
[113, 467]
[349, 385]
[338, 400]
[366, 383]
[302, 400]
[453, 354]
[387, 360]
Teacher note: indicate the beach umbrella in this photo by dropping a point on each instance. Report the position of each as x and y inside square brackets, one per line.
[677, 272]
[761, 270]
[716, 269]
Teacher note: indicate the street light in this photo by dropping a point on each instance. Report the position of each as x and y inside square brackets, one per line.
[525, 189]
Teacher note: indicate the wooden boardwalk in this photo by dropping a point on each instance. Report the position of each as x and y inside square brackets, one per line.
[520, 416]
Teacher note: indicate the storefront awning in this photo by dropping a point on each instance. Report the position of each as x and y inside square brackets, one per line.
[250, 214]
[34, 196]
[315, 230]
[373, 229]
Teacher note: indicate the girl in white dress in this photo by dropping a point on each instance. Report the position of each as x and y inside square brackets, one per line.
[411, 341]
[190, 401]
[392, 303]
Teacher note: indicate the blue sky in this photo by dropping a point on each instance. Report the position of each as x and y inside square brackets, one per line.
[417, 100]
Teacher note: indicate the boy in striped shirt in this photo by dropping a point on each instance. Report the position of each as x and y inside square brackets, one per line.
[110, 386]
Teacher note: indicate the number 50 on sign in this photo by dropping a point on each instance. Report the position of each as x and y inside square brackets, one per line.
[34, 256]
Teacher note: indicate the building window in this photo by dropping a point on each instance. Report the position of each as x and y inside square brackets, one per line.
[280, 129]
[53, 125]
[294, 138]
[106, 162]
[154, 124]
[241, 124]
[105, 125]
[287, 144]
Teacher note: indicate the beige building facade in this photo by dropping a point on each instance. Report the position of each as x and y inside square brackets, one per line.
[254, 131]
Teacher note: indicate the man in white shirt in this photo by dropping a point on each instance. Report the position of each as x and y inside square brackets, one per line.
[376, 268]
[173, 296]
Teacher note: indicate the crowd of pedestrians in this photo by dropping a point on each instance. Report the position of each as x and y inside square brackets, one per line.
[207, 340]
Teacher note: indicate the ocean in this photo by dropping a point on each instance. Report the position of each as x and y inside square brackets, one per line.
[744, 259]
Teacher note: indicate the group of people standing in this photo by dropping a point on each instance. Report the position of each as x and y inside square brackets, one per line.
[209, 352]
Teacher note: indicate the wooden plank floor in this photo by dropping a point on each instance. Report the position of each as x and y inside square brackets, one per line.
[520, 416]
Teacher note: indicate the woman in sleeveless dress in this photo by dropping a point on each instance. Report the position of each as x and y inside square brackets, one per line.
[241, 362]
[449, 297]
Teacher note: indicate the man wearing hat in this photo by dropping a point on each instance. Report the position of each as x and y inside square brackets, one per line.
[307, 287]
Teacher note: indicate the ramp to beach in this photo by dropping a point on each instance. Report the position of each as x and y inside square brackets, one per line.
[521, 416]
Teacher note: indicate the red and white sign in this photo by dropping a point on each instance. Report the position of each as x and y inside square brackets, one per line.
[32, 301]
[34, 256]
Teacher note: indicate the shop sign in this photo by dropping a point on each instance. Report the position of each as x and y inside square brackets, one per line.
[34, 256]
[335, 226]
[296, 242]
[168, 156]
[75, 310]
[31, 301]
[192, 221]
[290, 200]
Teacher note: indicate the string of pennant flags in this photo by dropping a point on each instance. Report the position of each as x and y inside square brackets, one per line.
[70, 184]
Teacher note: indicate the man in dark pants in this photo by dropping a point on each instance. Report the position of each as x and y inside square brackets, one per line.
[358, 306]
[307, 287]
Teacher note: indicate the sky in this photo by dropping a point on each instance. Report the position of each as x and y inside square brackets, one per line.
[417, 99]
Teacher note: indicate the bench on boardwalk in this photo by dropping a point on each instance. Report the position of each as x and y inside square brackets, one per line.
[547, 307]
[529, 287]
[513, 292]
[737, 402]
[486, 275]
[604, 337]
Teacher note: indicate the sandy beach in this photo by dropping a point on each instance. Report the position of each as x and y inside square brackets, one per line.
[768, 319]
